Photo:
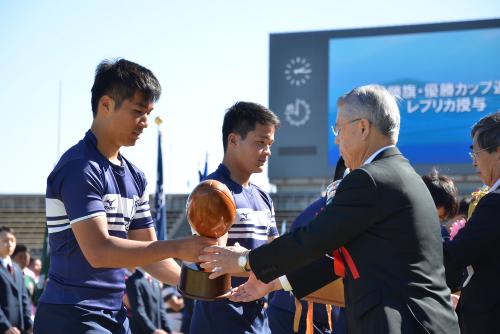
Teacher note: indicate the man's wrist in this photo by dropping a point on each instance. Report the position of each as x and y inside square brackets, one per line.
[247, 264]
[244, 261]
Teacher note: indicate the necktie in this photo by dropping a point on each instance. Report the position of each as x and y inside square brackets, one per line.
[10, 269]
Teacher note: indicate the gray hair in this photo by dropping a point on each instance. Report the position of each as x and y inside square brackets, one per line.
[488, 132]
[376, 104]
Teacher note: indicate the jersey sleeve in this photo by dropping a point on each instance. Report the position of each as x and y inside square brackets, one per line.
[142, 216]
[272, 231]
[80, 188]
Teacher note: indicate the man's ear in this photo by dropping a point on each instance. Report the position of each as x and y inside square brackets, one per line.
[106, 105]
[232, 139]
[365, 128]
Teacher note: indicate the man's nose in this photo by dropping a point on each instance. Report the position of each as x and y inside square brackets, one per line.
[268, 150]
[144, 121]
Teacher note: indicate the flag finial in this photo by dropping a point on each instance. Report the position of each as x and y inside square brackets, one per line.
[158, 120]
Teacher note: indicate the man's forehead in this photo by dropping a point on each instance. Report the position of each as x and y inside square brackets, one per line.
[144, 104]
[269, 136]
[264, 132]
[340, 114]
[147, 104]
[5, 234]
[140, 100]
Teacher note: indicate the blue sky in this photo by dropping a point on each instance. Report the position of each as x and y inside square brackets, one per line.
[206, 54]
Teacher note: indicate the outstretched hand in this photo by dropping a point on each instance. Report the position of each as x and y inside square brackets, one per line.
[222, 260]
[191, 247]
[253, 289]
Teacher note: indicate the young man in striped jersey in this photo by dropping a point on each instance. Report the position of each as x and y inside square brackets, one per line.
[98, 214]
[247, 135]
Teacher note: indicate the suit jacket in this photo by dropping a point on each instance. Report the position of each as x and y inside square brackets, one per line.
[147, 308]
[15, 304]
[478, 245]
[385, 217]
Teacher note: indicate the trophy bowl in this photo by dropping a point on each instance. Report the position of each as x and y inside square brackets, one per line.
[211, 211]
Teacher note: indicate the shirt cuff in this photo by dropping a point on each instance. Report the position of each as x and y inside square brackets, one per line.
[284, 283]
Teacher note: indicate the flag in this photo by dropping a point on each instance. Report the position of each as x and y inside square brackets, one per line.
[204, 174]
[160, 207]
[45, 254]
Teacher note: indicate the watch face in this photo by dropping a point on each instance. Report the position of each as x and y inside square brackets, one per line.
[242, 261]
[298, 71]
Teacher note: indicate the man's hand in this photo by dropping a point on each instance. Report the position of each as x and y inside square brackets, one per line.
[222, 260]
[159, 331]
[454, 300]
[190, 248]
[253, 289]
[12, 330]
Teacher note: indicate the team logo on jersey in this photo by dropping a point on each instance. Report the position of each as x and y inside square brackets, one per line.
[135, 205]
[108, 204]
[244, 217]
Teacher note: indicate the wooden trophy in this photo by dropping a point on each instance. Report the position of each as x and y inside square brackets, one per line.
[211, 211]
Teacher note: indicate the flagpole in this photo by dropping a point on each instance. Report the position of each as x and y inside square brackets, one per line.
[59, 113]
[160, 206]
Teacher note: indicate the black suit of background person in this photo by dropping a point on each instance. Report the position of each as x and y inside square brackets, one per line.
[147, 310]
[385, 218]
[15, 304]
[476, 247]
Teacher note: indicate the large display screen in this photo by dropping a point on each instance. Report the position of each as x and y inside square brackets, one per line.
[446, 81]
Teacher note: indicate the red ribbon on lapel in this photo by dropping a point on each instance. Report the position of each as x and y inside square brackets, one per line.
[339, 266]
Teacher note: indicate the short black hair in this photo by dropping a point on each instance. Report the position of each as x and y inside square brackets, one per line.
[20, 248]
[488, 132]
[242, 118]
[463, 206]
[443, 192]
[6, 229]
[120, 79]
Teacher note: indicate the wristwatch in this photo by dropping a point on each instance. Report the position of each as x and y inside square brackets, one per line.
[243, 262]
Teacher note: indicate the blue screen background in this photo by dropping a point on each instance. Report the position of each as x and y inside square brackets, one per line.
[432, 130]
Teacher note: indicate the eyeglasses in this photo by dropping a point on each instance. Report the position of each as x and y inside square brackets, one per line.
[336, 129]
[473, 154]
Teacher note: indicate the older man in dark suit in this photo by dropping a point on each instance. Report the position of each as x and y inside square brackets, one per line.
[476, 246]
[384, 221]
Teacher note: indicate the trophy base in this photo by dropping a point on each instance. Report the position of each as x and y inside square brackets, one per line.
[195, 284]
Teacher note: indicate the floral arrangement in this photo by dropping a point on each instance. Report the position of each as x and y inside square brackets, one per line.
[460, 223]
[476, 197]
[457, 226]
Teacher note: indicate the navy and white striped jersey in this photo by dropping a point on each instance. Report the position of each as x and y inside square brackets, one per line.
[85, 184]
[253, 225]
[255, 221]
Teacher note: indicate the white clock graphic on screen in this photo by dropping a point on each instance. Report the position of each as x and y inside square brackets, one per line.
[298, 71]
[298, 113]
